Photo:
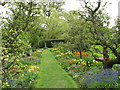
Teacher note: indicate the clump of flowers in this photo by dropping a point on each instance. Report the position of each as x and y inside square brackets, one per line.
[69, 52]
[101, 58]
[32, 68]
[38, 51]
[78, 53]
[55, 49]
[106, 79]
[30, 57]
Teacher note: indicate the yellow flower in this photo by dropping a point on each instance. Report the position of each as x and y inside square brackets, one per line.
[38, 51]
[31, 69]
[58, 55]
[55, 49]
[32, 66]
[74, 60]
[38, 67]
[62, 54]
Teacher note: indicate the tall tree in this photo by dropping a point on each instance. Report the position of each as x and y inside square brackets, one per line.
[78, 33]
[102, 34]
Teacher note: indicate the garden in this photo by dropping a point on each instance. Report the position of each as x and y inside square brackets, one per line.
[43, 46]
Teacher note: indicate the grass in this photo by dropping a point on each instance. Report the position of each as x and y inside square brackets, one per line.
[52, 75]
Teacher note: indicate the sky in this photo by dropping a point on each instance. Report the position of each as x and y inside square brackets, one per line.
[111, 9]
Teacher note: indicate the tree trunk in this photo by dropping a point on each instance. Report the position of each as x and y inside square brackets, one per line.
[105, 53]
[80, 54]
[109, 64]
[106, 65]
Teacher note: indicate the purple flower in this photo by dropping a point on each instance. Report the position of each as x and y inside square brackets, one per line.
[34, 61]
[99, 79]
[118, 72]
[111, 78]
[107, 73]
[0, 78]
[38, 60]
[11, 81]
[88, 81]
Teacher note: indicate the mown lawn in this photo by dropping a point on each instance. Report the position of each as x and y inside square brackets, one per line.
[52, 75]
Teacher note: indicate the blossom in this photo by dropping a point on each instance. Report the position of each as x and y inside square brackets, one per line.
[23, 71]
[68, 52]
[62, 54]
[83, 69]
[110, 57]
[55, 48]
[71, 61]
[34, 67]
[31, 57]
[75, 66]
[74, 60]
[34, 61]
[14, 70]
[11, 81]
[58, 55]
[81, 64]
[78, 53]
[29, 71]
[101, 58]
[72, 70]
[38, 51]
[106, 75]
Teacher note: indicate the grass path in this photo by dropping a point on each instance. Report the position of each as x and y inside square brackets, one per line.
[52, 75]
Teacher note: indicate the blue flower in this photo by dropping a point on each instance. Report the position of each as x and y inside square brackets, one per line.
[118, 72]
[0, 78]
[38, 60]
[107, 73]
[99, 79]
[88, 81]
[34, 61]
[11, 81]
[112, 77]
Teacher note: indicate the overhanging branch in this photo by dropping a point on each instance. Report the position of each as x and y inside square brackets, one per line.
[96, 59]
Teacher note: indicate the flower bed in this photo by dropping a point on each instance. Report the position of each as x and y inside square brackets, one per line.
[87, 72]
[23, 73]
